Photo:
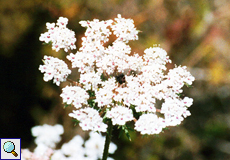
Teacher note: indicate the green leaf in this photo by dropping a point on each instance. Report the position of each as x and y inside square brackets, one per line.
[127, 134]
[189, 86]
[76, 122]
[67, 105]
[49, 43]
[129, 128]
[125, 129]
[144, 135]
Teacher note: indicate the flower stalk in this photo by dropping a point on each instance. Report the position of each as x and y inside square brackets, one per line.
[107, 140]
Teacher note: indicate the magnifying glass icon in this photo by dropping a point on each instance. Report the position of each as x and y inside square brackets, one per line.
[9, 147]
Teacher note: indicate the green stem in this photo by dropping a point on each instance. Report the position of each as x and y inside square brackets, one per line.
[107, 140]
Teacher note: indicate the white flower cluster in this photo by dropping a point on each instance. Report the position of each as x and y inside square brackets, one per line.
[54, 68]
[92, 150]
[149, 124]
[89, 119]
[48, 136]
[104, 95]
[144, 81]
[59, 35]
[46, 139]
[93, 50]
[74, 95]
[120, 115]
[175, 110]
[124, 29]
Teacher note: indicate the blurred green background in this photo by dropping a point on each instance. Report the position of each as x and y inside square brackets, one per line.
[195, 33]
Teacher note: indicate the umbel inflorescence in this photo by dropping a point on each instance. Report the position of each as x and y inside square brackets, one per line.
[115, 84]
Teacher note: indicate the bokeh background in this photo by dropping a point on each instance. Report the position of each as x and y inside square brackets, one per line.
[195, 33]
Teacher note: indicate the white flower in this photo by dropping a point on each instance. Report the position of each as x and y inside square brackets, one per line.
[47, 135]
[115, 56]
[95, 144]
[60, 36]
[58, 155]
[120, 115]
[55, 69]
[96, 30]
[124, 29]
[74, 95]
[104, 95]
[155, 55]
[62, 22]
[149, 124]
[135, 62]
[90, 80]
[89, 119]
[187, 101]
[130, 93]
[175, 111]
[74, 148]
[42, 152]
[179, 76]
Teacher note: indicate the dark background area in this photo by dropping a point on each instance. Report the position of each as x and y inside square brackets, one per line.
[194, 33]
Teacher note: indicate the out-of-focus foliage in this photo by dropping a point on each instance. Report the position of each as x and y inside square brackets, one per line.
[194, 33]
